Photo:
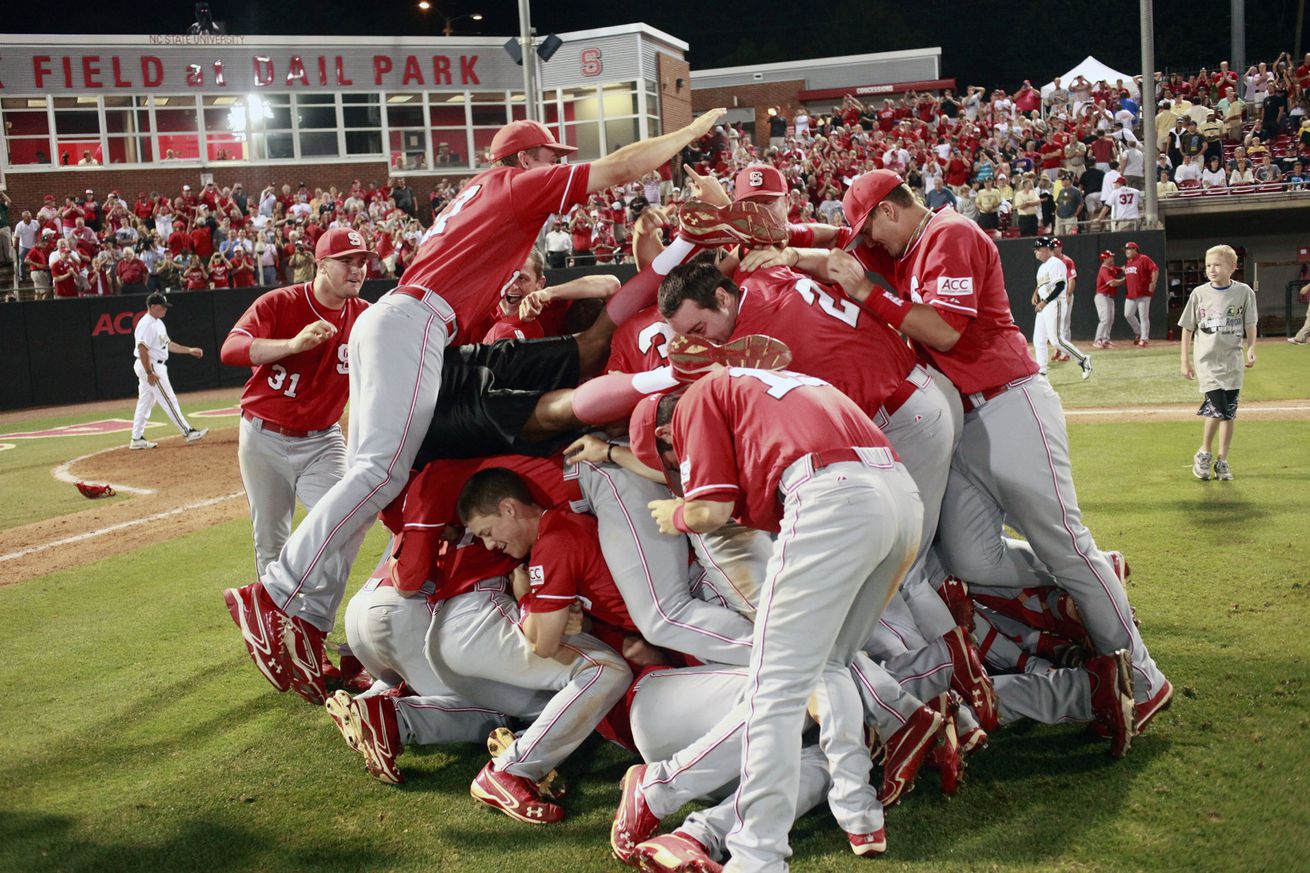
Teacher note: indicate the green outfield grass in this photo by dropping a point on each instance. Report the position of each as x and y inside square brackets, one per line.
[136, 735]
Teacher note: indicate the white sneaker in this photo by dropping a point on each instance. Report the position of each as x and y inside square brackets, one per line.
[142, 443]
[1201, 466]
[195, 436]
[1086, 366]
[1221, 471]
[1296, 342]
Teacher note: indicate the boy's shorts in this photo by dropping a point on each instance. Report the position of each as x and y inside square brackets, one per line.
[1220, 404]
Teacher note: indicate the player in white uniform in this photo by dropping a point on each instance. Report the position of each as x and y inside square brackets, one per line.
[150, 363]
[1050, 302]
[1125, 205]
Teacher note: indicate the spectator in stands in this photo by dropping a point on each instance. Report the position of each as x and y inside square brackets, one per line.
[132, 273]
[1165, 187]
[1027, 204]
[1125, 205]
[266, 256]
[38, 264]
[1189, 174]
[1230, 110]
[777, 129]
[302, 264]
[580, 228]
[1274, 112]
[194, 278]
[27, 233]
[153, 255]
[939, 196]
[1069, 207]
[1267, 172]
[1213, 176]
[242, 267]
[219, 271]
[989, 203]
[1058, 99]
[559, 243]
[65, 269]
[1132, 163]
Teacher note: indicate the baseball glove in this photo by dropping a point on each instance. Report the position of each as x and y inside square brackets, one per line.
[91, 492]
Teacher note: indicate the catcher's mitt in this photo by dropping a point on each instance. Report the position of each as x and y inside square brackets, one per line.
[91, 492]
[742, 222]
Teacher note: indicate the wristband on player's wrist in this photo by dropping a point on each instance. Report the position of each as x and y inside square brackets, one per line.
[679, 520]
[888, 309]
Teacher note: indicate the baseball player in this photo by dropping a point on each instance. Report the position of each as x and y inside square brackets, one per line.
[1108, 279]
[951, 302]
[150, 363]
[1141, 275]
[1070, 287]
[1049, 301]
[849, 517]
[545, 309]
[295, 341]
[397, 353]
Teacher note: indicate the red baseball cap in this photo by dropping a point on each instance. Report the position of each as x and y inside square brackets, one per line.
[340, 242]
[50, 197]
[1130, 245]
[760, 180]
[867, 192]
[641, 432]
[519, 136]
[1107, 254]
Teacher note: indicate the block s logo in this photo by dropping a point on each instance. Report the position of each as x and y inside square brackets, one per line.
[536, 576]
[756, 178]
[591, 63]
[684, 472]
[950, 287]
[343, 360]
[355, 239]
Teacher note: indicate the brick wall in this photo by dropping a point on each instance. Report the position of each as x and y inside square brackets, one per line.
[675, 102]
[762, 97]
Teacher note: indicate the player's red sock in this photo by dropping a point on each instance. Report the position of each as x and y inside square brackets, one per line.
[612, 397]
[640, 291]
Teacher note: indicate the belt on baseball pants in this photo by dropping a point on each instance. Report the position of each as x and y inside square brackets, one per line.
[272, 427]
[801, 470]
[917, 378]
[434, 301]
[975, 400]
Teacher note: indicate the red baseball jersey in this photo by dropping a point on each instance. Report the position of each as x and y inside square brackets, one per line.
[1103, 277]
[955, 268]
[640, 343]
[428, 507]
[1069, 267]
[307, 391]
[566, 565]
[1139, 277]
[729, 435]
[486, 232]
[829, 335]
[549, 323]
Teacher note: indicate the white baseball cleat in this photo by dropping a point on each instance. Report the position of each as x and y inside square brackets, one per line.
[195, 436]
[1086, 366]
[142, 443]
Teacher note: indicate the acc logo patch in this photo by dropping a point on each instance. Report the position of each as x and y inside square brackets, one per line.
[536, 575]
[950, 287]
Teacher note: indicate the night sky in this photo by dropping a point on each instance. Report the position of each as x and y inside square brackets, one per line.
[985, 42]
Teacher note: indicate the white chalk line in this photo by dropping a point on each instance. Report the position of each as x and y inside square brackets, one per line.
[114, 528]
[63, 473]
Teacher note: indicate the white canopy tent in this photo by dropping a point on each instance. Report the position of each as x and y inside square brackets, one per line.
[1093, 71]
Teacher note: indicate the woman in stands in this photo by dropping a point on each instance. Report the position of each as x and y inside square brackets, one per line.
[194, 277]
[1213, 176]
[1243, 172]
[219, 271]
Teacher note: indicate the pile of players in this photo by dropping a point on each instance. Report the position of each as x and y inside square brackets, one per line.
[758, 590]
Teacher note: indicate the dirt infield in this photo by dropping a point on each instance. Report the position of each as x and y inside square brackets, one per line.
[196, 486]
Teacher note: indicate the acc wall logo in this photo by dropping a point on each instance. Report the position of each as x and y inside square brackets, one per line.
[116, 323]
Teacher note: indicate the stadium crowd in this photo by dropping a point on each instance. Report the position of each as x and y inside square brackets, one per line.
[1020, 164]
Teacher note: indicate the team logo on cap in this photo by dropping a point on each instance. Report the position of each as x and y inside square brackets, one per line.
[756, 178]
[355, 238]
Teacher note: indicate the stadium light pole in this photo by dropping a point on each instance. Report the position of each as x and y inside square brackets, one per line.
[529, 65]
[1151, 200]
[1238, 14]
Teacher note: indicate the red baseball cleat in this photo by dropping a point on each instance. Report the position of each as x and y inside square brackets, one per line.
[634, 823]
[945, 756]
[969, 678]
[675, 853]
[513, 795]
[869, 844]
[1112, 698]
[955, 592]
[551, 786]
[369, 726]
[973, 740]
[262, 625]
[693, 357]
[305, 657]
[1157, 703]
[741, 222]
[905, 751]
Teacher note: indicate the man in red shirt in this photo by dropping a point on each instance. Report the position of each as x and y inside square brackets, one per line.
[398, 353]
[294, 339]
[202, 239]
[1140, 278]
[243, 269]
[1108, 279]
[848, 517]
[38, 264]
[548, 307]
[1012, 463]
[65, 266]
[132, 273]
